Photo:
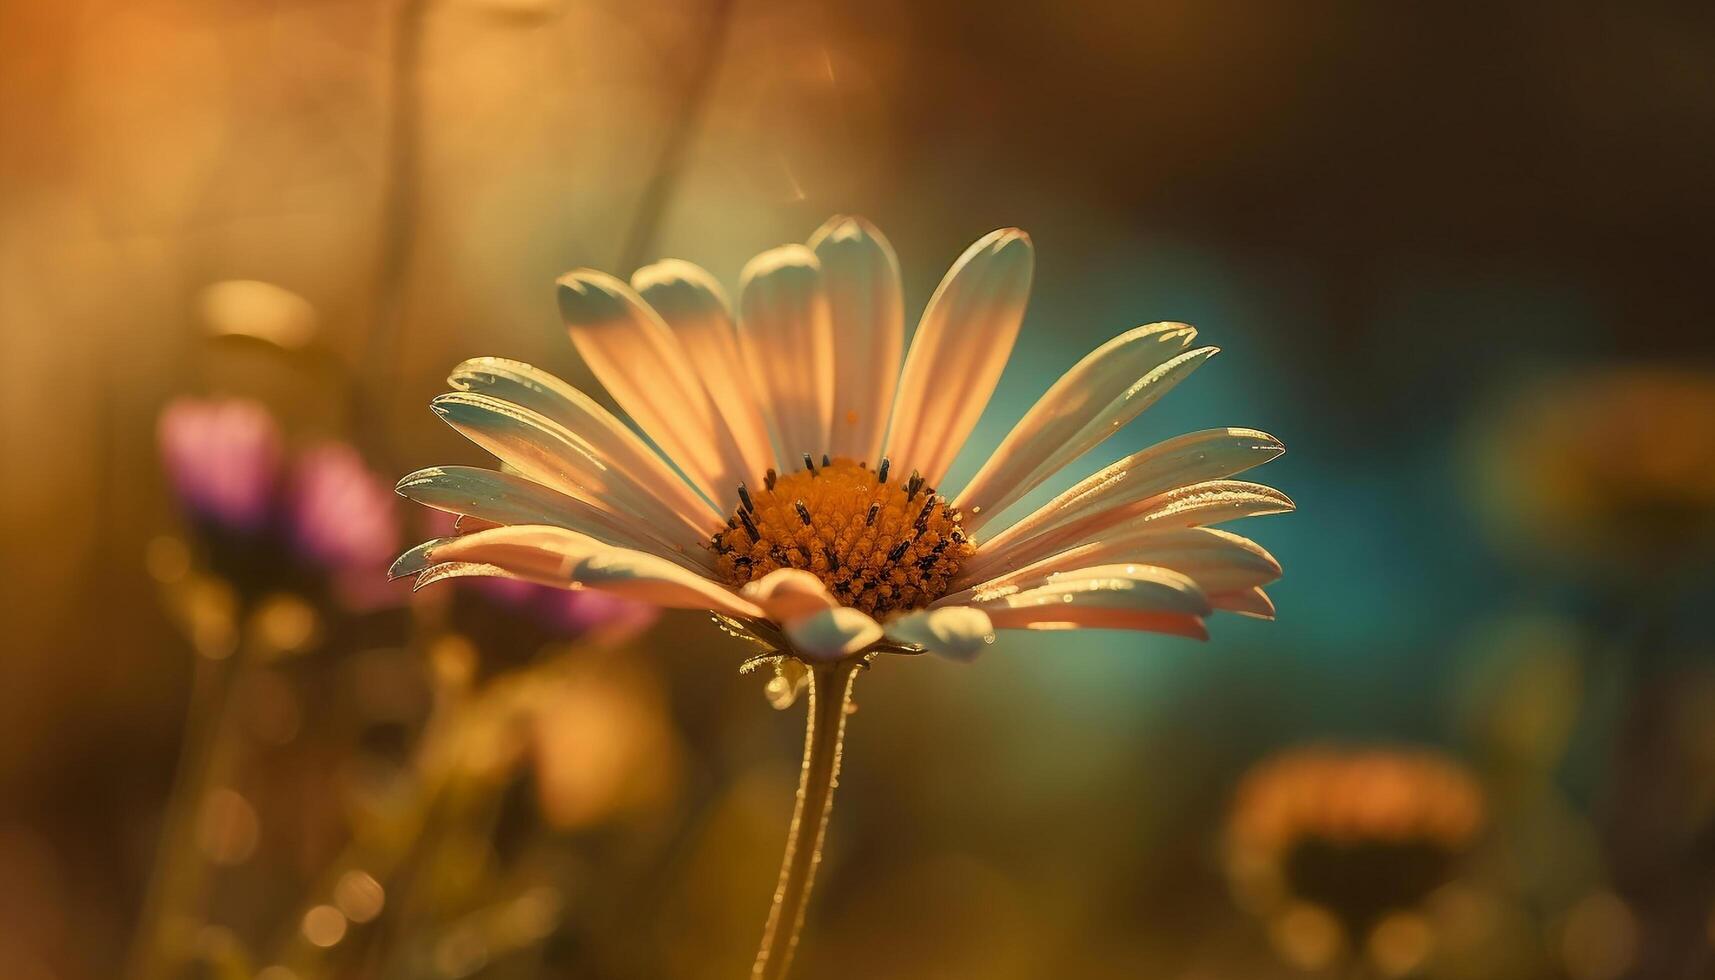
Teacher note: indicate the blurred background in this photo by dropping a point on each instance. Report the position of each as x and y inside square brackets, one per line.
[1458, 259]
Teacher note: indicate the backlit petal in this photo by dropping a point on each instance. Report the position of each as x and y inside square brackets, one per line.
[1197, 505]
[958, 352]
[538, 551]
[551, 454]
[1217, 561]
[788, 594]
[693, 305]
[1092, 401]
[861, 277]
[787, 339]
[1131, 587]
[1087, 618]
[956, 632]
[506, 498]
[617, 445]
[1106, 498]
[833, 633]
[646, 578]
[640, 363]
[1253, 602]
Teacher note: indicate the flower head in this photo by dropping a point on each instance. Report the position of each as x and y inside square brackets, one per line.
[1600, 466]
[1350, 838]
[223, 459]
[809, 512]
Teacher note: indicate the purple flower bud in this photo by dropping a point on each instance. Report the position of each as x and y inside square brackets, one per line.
[601, 615]
[340, 515]
[222, 457]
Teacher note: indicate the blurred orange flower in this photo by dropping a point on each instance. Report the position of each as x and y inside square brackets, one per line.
[1611, 467]
[1334, 847]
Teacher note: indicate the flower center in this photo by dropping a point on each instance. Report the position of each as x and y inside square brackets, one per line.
[880, 544]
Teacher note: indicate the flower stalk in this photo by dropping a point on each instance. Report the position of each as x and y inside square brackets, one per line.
[830, 693]
[180, 873]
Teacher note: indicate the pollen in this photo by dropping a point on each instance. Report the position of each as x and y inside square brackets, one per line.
[880, 543]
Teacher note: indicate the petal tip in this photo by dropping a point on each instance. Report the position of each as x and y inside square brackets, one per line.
[673, 274]
[589, 296]
[789, 260]
[843, 229]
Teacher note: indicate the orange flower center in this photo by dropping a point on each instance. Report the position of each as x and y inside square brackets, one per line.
[880, 543]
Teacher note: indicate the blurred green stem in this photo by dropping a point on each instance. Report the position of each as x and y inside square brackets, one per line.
[824, 732]
[398, 221]
[699, 87]
[180, 873]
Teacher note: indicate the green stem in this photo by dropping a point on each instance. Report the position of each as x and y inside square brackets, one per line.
[401, 174]
[824, 731]
[699, 88]
[181, 873]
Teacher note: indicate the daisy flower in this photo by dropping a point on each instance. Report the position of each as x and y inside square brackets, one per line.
[797, 491]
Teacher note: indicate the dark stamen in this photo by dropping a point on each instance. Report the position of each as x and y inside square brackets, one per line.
[922, 520]
[874, 509]
[750, 526]
[803, 512]
[809, 464]
[881, 473]
[769, 478]
[826, 462]
[744, 498]
[913, 485]
[833, 559]
[898, 550]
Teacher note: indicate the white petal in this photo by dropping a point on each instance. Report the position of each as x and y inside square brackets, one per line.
[414, 560]
[640, 363]
[618, 446]
[833, 633]
[787, 340]
[1213, 502]
[1253, 602]
[788, 594]
[567, 559]
[1131, 587]
[646, 578]
[1089, 618]
[1197, 505]
[956, 632]
[550, 454]
[1106, 498]
[1092, 401]
[506, 498]
[470, 569]
[861, 277]
[958, 352]
[537, 551]
[693, 305]
[1217, 561]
